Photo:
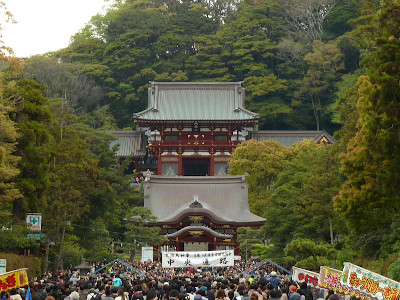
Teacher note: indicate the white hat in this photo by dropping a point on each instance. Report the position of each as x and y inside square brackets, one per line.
[273, 273]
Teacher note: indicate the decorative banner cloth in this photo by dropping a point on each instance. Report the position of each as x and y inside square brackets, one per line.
[370, 283]
[13, 279]
[179, 259]
[303, 275]
[330, 278]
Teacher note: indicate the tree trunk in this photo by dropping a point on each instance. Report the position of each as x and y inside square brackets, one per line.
[331, 229]
[46, 256]
[59, 258]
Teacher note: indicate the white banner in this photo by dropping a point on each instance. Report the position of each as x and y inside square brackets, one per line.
[303, 275]
[198, 259]
[363, 283]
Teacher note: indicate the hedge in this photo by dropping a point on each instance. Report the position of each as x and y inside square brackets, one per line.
[15, 261]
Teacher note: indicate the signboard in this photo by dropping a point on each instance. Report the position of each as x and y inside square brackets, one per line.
[147, 254]
[366, 283]
[329, 278]
[37, 236]
[13, 279]
[303, 275]
[3, 266]
[35, 221]
[222, 258]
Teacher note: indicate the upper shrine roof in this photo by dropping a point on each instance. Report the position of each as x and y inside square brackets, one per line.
[200, 101]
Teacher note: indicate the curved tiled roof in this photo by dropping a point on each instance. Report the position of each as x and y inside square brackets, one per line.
[199, 228]
[196, 101]
[130, 143]
[290, 137]
[223, 198]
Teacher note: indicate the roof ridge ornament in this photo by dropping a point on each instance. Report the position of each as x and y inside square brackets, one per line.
[196, 203]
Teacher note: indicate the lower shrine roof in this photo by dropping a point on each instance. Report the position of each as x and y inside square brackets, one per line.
[199, 228]
[224, 199]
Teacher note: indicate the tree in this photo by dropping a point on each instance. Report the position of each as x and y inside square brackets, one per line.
[32, 116]
[306, 18]
[325, 62]
[249, 239]
[310, 255]
[261, 162]
[64, 80]
[369, 199]
[8, 162]
[141, 233]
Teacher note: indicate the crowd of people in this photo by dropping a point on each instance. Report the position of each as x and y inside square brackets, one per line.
[152, 282]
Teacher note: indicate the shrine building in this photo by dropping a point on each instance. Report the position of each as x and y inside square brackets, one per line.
[190, 130]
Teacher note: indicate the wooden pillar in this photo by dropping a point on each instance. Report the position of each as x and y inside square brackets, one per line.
[212, 163]
[159, 168]
[180, 165]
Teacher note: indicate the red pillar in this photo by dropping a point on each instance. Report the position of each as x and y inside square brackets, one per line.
[180, 165]
[212, 163]
[159, 162]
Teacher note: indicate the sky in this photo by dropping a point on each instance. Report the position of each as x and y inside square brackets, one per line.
[46, 25]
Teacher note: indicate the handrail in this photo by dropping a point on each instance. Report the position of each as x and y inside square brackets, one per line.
[263, 262]
[129, 267]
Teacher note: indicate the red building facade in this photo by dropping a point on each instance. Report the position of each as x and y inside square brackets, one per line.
[190, 130]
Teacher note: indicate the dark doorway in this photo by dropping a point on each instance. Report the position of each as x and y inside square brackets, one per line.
[196, 166]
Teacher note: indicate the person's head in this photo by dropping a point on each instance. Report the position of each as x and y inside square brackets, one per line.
[220, 294]
[303, 285]
[152, 295]
[120, 292]
[173, 294]
[293, 288]
[231, 294]
[254, 296]
[333, 297]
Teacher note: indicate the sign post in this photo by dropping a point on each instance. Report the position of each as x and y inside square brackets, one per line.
[3, 266]
[35, 221]
[147, 254]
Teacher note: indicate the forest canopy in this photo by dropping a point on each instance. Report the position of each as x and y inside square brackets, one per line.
[306, 65]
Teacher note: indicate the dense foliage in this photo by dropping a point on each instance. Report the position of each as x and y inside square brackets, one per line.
[312, 64]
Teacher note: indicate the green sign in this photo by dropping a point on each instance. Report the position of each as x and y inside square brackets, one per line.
[37, 236]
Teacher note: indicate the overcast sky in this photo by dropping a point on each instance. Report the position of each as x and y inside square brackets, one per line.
[46, 25]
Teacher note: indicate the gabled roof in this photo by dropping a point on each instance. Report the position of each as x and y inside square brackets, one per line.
[198, 101]
[199, 228]
[290, 137]
[224, 199]
[130, 143]
[195, 208]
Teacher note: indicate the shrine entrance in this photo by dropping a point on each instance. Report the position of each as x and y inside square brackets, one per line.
[196, 166]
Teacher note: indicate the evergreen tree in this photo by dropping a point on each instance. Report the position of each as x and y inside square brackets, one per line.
[369, 198]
